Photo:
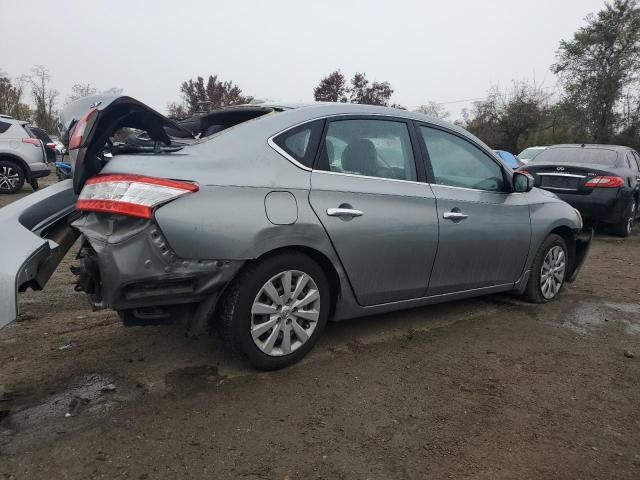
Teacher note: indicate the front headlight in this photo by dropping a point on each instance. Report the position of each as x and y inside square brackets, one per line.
[579, 216]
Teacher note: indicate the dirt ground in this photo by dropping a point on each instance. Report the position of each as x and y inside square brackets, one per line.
[490, 388]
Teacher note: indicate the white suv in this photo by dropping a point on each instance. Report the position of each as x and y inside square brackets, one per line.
[22, 156]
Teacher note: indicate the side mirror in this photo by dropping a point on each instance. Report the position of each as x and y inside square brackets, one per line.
[522, 182]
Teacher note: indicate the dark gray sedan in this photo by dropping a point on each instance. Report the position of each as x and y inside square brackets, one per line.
[269, 220]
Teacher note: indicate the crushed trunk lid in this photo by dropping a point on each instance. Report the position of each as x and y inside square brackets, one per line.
[112, 112]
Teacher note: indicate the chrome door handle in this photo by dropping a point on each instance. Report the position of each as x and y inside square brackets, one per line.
[344, 212]
[454, 216]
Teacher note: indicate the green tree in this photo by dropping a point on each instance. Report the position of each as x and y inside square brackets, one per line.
[199, 96]
[12, 94]
[332, 88]
[598, 63]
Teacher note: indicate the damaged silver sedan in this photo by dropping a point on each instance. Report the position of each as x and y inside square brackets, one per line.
[269, 220]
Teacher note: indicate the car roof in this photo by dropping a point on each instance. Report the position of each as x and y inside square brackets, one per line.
[601, 146]
[13, 121]
[338, 108]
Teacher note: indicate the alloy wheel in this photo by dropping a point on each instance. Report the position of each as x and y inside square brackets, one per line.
[285, 313]
[552, 272]
[9, 178]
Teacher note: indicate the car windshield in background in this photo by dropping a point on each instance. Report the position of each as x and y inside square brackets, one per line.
[602, 156]
[530, 153]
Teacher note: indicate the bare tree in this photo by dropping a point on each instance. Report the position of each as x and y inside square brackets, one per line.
[81, 90]
[434, 109]
[44, 98]
[505, 119]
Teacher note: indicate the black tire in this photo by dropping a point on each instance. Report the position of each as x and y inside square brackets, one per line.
[235, 318]
[623, 228]
[533, 292]
[12, 177]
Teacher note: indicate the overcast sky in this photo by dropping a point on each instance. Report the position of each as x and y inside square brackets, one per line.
[442, 51]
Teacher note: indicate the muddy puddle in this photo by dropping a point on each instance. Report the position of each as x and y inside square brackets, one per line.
[85, 401]
[589, 317]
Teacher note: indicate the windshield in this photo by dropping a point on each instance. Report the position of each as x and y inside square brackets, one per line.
[601, 156]
[530, 153]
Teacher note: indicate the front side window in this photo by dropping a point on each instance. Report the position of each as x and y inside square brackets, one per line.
[458, 163]
[301, 142]
[367, 147]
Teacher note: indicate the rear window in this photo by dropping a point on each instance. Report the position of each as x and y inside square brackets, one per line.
[601, 156]
[40, 134]
[301, 142]
[530, 153]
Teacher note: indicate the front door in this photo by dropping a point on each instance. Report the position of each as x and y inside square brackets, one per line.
[381, 220]
[485, 230]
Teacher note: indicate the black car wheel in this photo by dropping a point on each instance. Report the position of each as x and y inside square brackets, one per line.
[275, 310]
[11, 177]
[623, 228]
[549, 271]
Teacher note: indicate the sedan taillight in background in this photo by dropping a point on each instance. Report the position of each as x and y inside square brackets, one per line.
[131, 195]
[51, 146]
[604, 182]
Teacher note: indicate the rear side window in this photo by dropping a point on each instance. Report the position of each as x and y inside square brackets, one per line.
[40, 134]
[4, 126]
[301, 142]
[369, 147]
[601, 156]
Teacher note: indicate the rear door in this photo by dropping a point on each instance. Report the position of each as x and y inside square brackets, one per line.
[485, 231]
[367, 191]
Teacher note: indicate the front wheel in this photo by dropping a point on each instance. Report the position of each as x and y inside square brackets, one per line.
[549, 270]
[275, 310]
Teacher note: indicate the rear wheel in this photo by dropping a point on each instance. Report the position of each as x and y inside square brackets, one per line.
[274, 311]
[623, 228]
[548, 271]
[11, 177]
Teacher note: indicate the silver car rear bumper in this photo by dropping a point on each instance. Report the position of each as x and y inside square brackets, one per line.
[35, 237]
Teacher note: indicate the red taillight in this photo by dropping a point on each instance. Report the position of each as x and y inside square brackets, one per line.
[78, 131]
[523, 171]
[604, 182]
[32, 141]
[131, 195]
[51, 146]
